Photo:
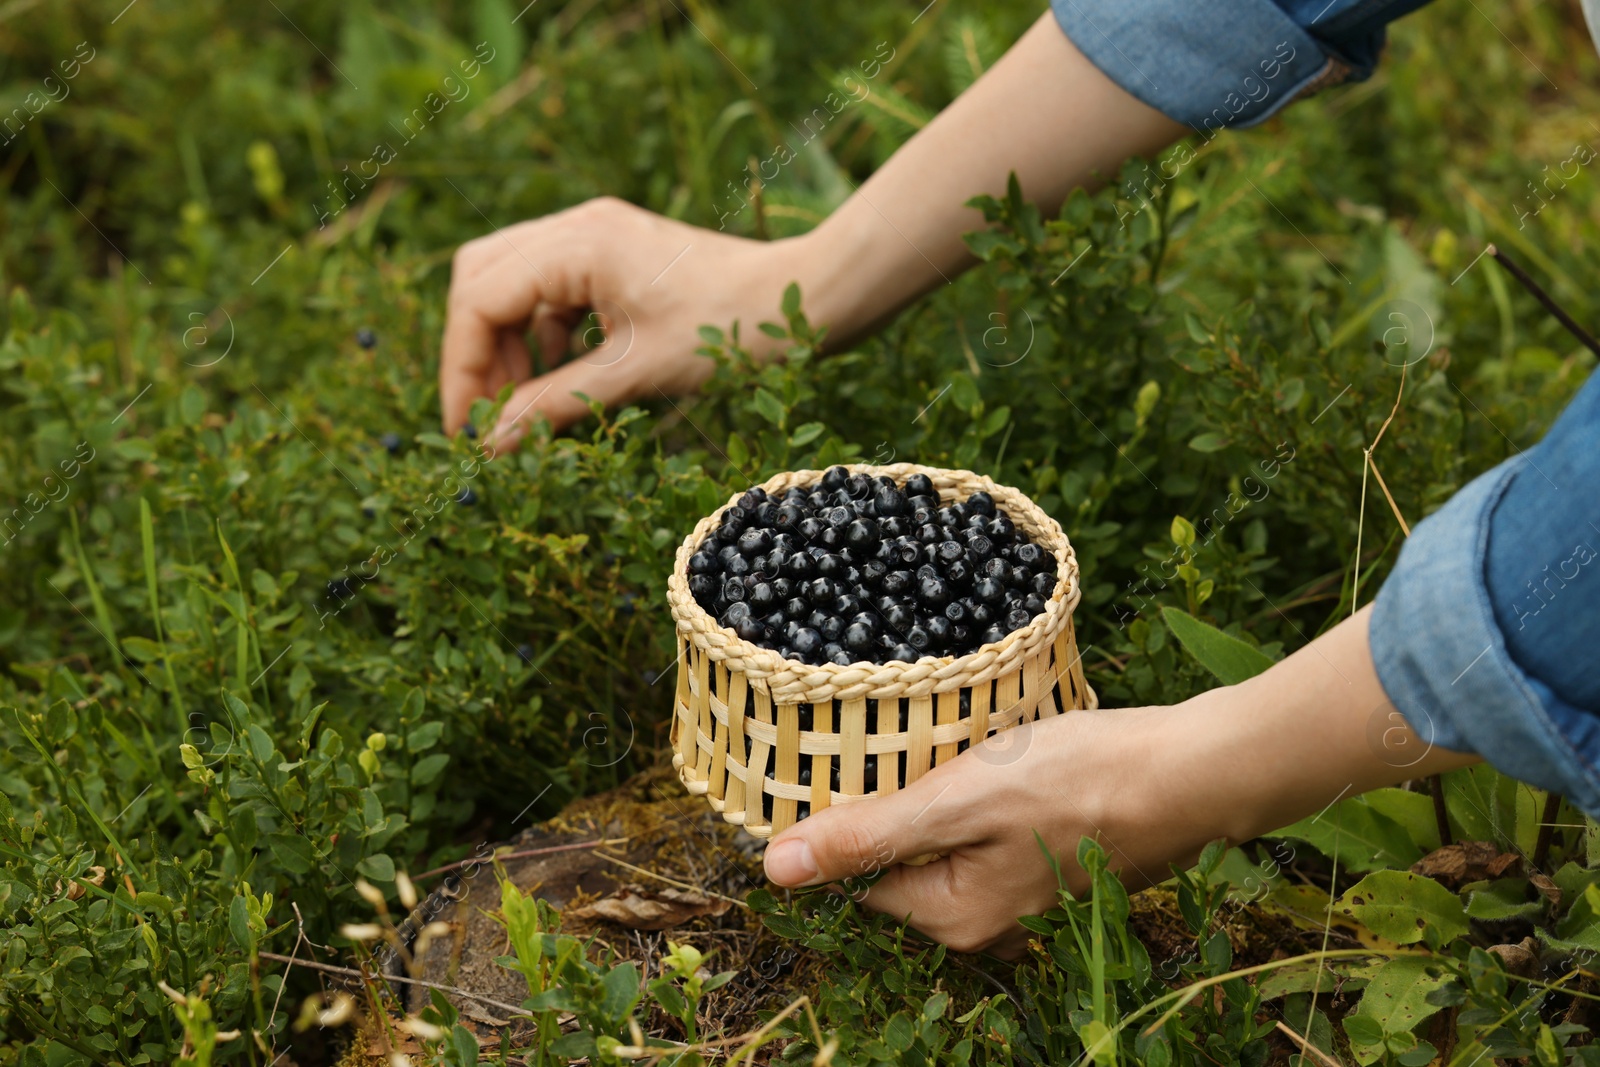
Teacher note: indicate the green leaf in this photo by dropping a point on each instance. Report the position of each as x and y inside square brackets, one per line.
[244, 831]
[1503, 899]
[1420, 1056]
[621, 991]
[784, 926]
[158, 901]
[670, 997]
[1321, 975]
[557, 999]
[1224, 655]
[577, 1045]
[1581, 924]
[141, 648]
[899, 1033]
[429, 768]
[1358, 834]
[964, 392]
[1405, 907]
[1394, 1003]
[1210, 442]
[1489, 806]
[995, 422]
[1413, 812]
[239, 924]
[425, 736]
[804, 435]
[770, 407]
[495, 23]
[260, 742]
[291, 850]
[378, 867]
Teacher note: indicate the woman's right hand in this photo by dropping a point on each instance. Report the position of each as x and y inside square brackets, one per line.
[651, 281]
[1043, 113]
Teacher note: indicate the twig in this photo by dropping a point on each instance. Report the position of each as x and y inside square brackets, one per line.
[1366, 464]
[299, 939]
[1399, 393]
[1547, 822]
[1545, 298]
[1440, 815]
[447, 868]
[353, 972]
[1308, 1048]
[1390, 496]
[670, 881]
[1436, 783]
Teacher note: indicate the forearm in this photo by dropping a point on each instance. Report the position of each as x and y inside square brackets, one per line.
[1314, 728]
[1043, 111]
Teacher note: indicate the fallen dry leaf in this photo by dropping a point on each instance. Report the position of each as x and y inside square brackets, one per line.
[1469, 861]
[639, 908]
[1544, 885]
[1519, 959]
[95, 877]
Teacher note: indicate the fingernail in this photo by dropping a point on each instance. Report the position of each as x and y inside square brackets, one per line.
[791, 862]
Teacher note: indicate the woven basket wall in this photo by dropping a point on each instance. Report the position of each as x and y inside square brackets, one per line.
[742, 710]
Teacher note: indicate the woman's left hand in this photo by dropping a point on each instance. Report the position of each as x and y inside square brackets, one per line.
[1083, 774]
[1153, 785]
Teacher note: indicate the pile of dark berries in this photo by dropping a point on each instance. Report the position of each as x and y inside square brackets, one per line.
[857, 569]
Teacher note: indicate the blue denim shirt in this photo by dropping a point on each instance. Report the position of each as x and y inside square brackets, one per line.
[1487, 634]
[1229, 63]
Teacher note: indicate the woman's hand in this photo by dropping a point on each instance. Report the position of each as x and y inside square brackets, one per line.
[1085, 774]
[1152, 785]
[651, 281]
[1043, 113]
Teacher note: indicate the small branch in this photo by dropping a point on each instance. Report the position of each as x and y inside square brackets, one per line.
[447, 868]
[352, 972]
[1308, 1048]
[1546, 299]
[1389, 496]
[670, 881]
[1541, 844]
[1398, 394]
[1440, 815]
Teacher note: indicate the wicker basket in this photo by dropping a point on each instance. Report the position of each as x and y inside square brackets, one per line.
[740, 708]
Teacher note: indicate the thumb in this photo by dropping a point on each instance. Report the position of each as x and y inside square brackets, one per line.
[862, 838]
[550, 396]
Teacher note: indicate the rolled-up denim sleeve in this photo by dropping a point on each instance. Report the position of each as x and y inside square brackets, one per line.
[1487, 634]
[1228, 62]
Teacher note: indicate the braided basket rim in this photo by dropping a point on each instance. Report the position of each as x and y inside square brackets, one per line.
[794, 681]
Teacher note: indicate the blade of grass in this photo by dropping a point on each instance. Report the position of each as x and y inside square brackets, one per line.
[102, 613]
[242, 642]
[147, 537]
[69, 793]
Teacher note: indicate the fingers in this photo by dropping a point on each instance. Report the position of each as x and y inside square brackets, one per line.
[854, 840]
[494, 289]
[552, 328]
[551, 397]
[954, 902]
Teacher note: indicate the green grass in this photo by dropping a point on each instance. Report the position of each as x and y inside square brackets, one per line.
[206, 693]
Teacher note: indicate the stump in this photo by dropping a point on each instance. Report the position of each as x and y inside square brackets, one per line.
[668, 868]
